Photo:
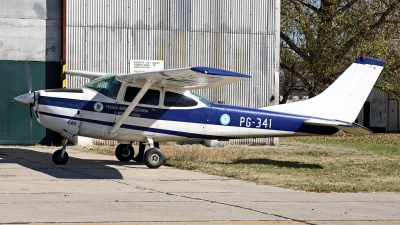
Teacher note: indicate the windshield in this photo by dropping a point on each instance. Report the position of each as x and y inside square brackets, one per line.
[107, 86]
[201, 98]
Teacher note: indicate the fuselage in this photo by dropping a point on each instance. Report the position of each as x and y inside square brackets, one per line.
[164, 115]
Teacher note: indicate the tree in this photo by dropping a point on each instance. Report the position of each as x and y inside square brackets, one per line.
[321, 38]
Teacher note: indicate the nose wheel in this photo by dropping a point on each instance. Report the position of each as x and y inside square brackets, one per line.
[60, 157]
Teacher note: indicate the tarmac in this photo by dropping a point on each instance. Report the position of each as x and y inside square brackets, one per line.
[98, 189]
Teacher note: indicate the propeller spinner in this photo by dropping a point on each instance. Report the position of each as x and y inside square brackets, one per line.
[28, 98]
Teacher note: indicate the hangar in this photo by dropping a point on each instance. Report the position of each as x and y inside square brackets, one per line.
[105, 35]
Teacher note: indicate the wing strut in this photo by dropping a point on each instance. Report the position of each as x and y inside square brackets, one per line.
[131, 106]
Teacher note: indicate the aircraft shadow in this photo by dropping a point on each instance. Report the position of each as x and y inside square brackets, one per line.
[278, 163]
[75, 168]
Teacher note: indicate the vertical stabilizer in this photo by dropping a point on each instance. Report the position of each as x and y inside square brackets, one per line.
[342, 100]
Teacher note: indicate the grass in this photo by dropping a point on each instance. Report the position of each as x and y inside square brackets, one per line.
[339, 163]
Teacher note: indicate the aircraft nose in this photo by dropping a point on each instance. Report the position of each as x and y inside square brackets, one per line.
[28, 98]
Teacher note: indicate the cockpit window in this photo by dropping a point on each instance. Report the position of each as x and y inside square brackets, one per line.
[152, 97]
[107, 86]
[178, 100]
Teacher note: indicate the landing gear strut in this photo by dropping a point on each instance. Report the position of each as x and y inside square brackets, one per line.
[140, 155]
[60, 157]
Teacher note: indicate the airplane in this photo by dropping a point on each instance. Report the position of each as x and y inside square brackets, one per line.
[158, 106]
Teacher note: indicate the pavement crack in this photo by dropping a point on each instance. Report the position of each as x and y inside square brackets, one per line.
[218, 202]
[245, 208]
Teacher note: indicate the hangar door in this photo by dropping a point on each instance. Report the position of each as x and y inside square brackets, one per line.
[14, 116]
[393, 123]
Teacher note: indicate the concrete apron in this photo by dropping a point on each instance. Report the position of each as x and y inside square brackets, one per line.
[95, 188]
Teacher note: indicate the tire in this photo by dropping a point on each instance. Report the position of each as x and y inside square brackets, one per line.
[58, 160]
[124, 153]
[154, 158]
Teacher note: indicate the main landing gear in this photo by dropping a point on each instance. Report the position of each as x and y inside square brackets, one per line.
[153, 157]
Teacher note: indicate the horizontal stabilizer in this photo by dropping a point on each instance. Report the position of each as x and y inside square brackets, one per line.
[352, 128]
[356, 129]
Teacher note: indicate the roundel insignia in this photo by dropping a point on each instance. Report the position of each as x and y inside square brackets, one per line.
[225, 119]
[98, 107]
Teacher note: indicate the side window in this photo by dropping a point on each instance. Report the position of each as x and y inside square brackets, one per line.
[152, 97]
[178, 100]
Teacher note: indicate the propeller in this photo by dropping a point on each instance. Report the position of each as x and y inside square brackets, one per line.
[28, 98]
[29, 89]
[28, 77]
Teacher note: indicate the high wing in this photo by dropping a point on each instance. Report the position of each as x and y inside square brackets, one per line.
[185, 78]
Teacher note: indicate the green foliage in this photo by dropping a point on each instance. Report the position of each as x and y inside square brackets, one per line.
[320, 39]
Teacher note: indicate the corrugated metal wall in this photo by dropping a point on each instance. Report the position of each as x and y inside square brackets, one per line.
[237, 35]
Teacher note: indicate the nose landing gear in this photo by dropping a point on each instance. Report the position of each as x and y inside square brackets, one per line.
[60, 157]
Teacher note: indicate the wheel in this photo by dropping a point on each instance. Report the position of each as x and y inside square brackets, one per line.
[57, 159]
[154, 158]
[124, 153]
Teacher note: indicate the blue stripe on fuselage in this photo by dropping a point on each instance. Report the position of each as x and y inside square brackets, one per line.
[61, 102]
[253, 118]
[133, 127]
[280, 121]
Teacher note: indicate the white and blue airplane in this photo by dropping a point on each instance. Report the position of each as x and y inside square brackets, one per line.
[157, 106]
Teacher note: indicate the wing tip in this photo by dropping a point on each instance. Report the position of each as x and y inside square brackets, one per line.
[221, 72]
